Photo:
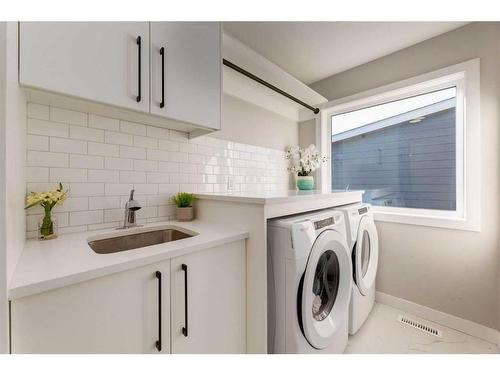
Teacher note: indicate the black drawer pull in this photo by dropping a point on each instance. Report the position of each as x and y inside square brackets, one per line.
[138, 69]
[162, 53]
[185, 328]
[158, 342]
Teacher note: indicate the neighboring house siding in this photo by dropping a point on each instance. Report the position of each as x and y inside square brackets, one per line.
[404, 165]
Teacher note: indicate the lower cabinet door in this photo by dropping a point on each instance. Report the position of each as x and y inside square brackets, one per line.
[119, 313]
[208, 300]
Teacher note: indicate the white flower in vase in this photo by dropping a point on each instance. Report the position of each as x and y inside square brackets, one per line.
[302, 163]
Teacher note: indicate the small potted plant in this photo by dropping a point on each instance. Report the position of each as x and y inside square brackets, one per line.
[47, 227]
[302, 163]
[184, 203]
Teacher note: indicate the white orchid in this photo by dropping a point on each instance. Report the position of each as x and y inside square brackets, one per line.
[304, 161]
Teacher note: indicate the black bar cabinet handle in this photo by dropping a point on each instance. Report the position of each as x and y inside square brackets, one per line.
[139, 68]
[158, 342]
[162, 53]
[185, 328]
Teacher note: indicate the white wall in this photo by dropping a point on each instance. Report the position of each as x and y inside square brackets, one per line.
[456, 272]
[3, 247]
[12, 159]
[248, 123]
[16, 154]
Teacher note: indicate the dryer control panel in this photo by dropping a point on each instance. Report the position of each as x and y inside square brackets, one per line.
[324, 223]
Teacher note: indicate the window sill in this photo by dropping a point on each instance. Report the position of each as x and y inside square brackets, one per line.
[437, 221]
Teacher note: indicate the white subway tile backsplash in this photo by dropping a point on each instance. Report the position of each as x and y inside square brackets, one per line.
[118, 189]
[73, 204]
[158, 178]
[69, 146]
[104, 123]
[101, 159]
[118, 138]
[119, 164]
[188, 147]
[87, 134]
[132, 177]
[132, 152]
[67, 116]
[178, 156]
[145, 165]
[86, 190]
[147, 212]
[178, 136]
[101, 203]
[164, 144]
[86, 217]
[132, 128]
[168, 188]
[157, 155]
[37, 143]
[166, 166]
[103, 226]
[188, 168]
[47, 128]
[68, 175]
[103, 149]
[146, 188]
[158, 133]
[37, 174]
[179, 178]
[47, 159]
[103, 175]
[145, 142]
[113, 215]
[86, 161]
[38, 111]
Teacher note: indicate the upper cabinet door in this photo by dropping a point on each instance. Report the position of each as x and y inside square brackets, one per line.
[100, 61]
[191, 74]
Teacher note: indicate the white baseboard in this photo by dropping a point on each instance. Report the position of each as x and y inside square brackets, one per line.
[451, 321]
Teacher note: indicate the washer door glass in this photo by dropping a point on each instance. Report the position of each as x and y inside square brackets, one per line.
[323, 297]
[325, 284]
[366, 255]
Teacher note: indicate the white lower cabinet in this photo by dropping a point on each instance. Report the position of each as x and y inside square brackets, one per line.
[121, 313]
[113, 314]
[212, 284]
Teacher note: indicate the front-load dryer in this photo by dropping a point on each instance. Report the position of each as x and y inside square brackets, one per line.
[363, 243]
[309, 283]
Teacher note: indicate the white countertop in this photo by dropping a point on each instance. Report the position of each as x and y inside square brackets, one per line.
[275, 197]
[46, 265]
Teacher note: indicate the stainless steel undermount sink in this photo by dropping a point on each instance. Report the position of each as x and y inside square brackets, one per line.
[138, 240]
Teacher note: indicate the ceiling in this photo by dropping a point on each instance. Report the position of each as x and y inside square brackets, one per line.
[311, 51]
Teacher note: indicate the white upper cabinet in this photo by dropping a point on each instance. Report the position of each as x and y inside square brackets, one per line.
[191, 74]
[99, 61]
[110, 62]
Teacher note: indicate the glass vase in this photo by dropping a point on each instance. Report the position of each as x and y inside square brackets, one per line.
[305, 182]
[47, 226]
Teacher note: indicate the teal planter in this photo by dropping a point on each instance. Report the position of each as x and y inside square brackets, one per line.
[305, 182]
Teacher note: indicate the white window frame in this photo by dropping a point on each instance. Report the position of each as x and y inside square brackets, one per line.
[465, 76]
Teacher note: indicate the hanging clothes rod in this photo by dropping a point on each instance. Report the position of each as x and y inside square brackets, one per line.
[268, 85]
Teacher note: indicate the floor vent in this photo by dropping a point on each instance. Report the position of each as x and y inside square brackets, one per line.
[420, 326]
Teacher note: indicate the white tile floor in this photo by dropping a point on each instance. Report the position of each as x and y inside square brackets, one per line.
[383, 334]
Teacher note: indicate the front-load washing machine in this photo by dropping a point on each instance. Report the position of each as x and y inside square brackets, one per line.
[309, 283]
[363, 243]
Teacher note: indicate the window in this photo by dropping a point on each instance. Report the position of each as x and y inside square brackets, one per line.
[412, 146]
[401, 153]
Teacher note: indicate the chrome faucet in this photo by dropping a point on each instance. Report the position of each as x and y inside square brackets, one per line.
[130, 207]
